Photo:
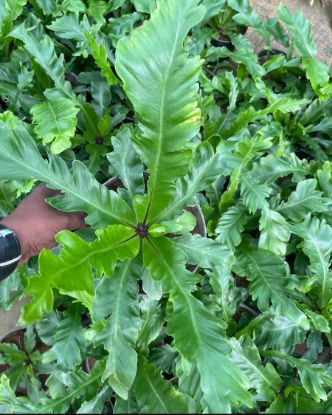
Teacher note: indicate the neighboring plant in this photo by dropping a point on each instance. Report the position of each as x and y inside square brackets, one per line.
[139, 312]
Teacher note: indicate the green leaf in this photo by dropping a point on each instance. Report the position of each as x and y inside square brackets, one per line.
[279, 333]
[249, 115]
[317, 246]
[126, 407]
[181, 224]
[213, 8]
[222, 282]
[231, 225]
[247, 151]
[313, 377]
[302, 38]
[268, 278]
[275, 233]
[68, 342]
[77, 384]
[55, 122]
[271, 168]
[188, 318]
[113, 243]
[99, 53]
[67, 27]
[98, 8]
[155, 395]
[12, 10]
[264, 379]
[204, 252]
[233, 95]
[82, 191]
[96, 405]
[244, 54]
[118, 296]
[144, 6]
[318, 321]
[8, 399]
[41, 48]
[303, 200]
[126, 163]
[204, 171]
[11, 355]
[254, 194]
[167, 111]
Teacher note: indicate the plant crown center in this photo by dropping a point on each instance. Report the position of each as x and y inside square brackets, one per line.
[142, 230]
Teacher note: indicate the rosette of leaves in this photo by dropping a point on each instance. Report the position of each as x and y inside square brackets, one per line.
[126, 325]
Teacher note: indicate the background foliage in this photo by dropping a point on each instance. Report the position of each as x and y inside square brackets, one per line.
[138, 313]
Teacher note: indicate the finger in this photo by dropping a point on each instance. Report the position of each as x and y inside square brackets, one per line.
[76, 221]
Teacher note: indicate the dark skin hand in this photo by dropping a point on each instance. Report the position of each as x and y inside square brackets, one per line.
[35, 223]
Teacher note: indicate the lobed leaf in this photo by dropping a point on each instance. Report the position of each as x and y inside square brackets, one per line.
[167, 111]
[113, 243]
[317, 246]
[188, 318]
[303, 200]
[268, 279]
[55, 122]
[82, 191]
[155, 395]
[316, 71]
[118, 297]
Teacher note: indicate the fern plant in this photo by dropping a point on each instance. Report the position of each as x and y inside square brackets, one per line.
[139, 312]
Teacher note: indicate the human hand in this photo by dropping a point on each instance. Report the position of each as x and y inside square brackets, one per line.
[35, 223]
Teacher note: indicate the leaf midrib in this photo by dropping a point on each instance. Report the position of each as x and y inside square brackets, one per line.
[55, 118]
[87, 257]
[59, 185]
[154, 390]
[322, 263]
[181, 202]
[183, 294]
[156, 166]
[76, 391]
[291, 205]
[267, 284]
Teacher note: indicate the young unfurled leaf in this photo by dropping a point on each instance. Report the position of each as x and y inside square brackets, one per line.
[181, 224]
[55, 122]
[126, 163]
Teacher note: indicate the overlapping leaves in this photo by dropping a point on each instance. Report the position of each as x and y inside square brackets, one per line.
[203, 324]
